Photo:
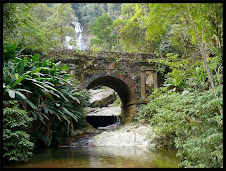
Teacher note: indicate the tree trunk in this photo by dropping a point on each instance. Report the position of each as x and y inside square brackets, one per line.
[61, 37]
[203, 52]
[201, 48]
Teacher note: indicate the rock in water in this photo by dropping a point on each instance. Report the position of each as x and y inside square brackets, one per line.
[127, 135]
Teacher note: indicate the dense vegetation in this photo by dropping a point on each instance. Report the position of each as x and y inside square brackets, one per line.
[17, 145]
[188, 116]
[46, 93]
[186, 112]
[36, 26]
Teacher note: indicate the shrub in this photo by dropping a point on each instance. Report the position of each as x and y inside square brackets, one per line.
[193, 121]
[16, 142]
[45, 89]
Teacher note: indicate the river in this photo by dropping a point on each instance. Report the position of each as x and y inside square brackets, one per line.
[100, 157]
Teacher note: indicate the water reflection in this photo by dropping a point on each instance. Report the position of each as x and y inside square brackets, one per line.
[100, 157]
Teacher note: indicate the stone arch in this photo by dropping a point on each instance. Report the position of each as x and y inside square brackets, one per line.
[121, 88]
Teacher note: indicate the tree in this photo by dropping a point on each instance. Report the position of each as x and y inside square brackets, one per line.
[88, 12]
[200, 44]
[114, 10]
[62, 15]
[132, 36]
[37, 26]
[103, 30]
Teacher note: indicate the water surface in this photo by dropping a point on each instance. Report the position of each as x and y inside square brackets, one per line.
[100, 157]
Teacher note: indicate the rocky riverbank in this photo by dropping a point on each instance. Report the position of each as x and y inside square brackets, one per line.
[129, 135]
[111, 134]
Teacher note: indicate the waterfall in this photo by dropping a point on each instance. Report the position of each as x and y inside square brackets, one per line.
[78, 33]
[82, 41]
[79, 42]
[78, 27]
[67, 45]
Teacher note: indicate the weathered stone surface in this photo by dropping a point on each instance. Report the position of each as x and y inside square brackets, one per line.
[101, 103]
[126, 135]
[104, 111]
[102, 97]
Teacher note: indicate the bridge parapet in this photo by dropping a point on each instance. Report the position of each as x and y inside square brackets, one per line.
[100, 55]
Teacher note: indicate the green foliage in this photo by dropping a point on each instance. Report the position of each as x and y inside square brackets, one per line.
[88, 12]
[49, 92]
[175, 80]
[185, 114]
[192, 121]
[36, 26]
[199, 79]
[16, 142]
[10, 51]
[132, 36]
[118, 101]
[102, 29]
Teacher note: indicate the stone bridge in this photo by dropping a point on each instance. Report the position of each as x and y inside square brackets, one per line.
[129, 74]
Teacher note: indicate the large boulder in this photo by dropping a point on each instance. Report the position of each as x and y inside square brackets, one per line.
[102, 97]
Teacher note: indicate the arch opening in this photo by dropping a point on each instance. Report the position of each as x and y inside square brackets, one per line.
[116, 84]
[123, 91]
[104, 108]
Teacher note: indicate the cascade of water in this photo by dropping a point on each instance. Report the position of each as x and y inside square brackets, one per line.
[78, 27]
[79, 42]
[68, 46]
[78, 33]
[82, 43]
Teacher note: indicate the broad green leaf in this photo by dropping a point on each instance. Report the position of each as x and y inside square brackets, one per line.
[41, 87]
[58, 116]
[51, 60]
[25, 61]
[52, 92]
[58, 63]
[41, 118]
[63, 67]
[11, 93]
[31, 79]
[45, 68]
[17, 81]
[50, 87]
[33, 68]
[51, 111]
[45, 109]
[35, 58]
[21, 67]
[64, 97]
[37, 70]
[46, 82]
[63, 116]
[21, 95]
[31, 104]
[74, 98]
[71, 114]
[34, 115]
[44, 116]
